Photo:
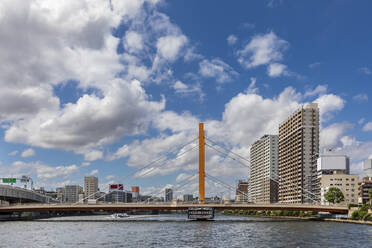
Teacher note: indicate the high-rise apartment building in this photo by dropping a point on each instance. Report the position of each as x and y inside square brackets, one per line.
[298, 153]
[263, 184]
[168, 195]
[71, 193]
[91, 187]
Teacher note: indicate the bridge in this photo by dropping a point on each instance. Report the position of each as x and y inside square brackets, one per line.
[20, 195]
[12, 194]
[170, 206]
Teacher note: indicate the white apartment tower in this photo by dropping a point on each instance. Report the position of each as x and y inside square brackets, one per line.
[298, 153]
[263, 184]
[90, 187]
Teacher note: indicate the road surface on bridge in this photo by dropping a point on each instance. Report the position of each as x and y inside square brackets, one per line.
[164, 206]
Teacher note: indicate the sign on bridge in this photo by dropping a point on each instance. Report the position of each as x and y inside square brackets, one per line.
[9, 180]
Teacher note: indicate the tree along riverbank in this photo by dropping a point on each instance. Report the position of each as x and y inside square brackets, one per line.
[277, 213]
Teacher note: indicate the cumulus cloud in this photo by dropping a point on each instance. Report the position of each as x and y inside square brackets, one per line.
[133, 41]
[314, 65]
[93, 172]
[232, 39]
[330, 136]
[318, 90]
[360, 97]
[328, 104]
[28, 153]
[185, 89]
[169, 46]
[266, 49]
[367, 127]
[13, 153]
[41, 170]
[365, 70]
[91, 121]
[217, 69]
[276, 70]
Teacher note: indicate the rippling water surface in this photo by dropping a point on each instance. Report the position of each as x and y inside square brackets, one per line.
[176, 231]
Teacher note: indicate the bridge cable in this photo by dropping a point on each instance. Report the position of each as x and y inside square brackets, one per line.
[226, 185]
[151, 163]
[187, 181]
[226, 154]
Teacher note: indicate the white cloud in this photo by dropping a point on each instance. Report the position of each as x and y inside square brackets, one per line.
[361, 121]
[91, 121]
[232, 39]
[330, 136]
[85, 164]
[42, 171]
[319, 90]
[360, 97]
[365, 70]
[133, 41]
[184, 89]
[314, 65]
[218, 69]
[93, 155]
[277, 70]
[93, 172]
[367, 127]
[252, 89]
[13, 153]
[328, 104]
[28, 153]
[170, 46]
[262, 50]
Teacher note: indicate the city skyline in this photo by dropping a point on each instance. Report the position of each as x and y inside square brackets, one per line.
[62, 118]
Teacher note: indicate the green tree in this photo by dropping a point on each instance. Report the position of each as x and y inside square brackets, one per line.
[334, 195]
[370, 196]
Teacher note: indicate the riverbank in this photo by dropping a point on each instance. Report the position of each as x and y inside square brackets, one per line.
[349, 221]
[304, 218]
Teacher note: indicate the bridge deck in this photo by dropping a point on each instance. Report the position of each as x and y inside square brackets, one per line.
[133, 206]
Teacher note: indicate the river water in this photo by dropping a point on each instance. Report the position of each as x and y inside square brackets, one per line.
[176, 231]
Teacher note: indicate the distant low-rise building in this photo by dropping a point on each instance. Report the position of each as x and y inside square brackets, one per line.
[241, 194]
[348, 184]
[188, 198]
[168, 195]
[118, 194]
[364, 187]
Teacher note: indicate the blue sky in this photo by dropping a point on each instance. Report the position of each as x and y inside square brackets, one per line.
[104, 87]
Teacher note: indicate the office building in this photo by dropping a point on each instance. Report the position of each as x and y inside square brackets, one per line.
[241, 194]
[263, 183]
[347, 183]
[188, 198]
[363, 190]
[298, 153]
[117, 194]
[367, 168]
[91, 187]
[168, 195]
[71, 193]
[135, 192]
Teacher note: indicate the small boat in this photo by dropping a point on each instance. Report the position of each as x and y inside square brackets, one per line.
[119, 215]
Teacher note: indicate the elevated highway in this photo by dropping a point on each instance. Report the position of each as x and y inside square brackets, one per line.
[164, 206]
[19, 195]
